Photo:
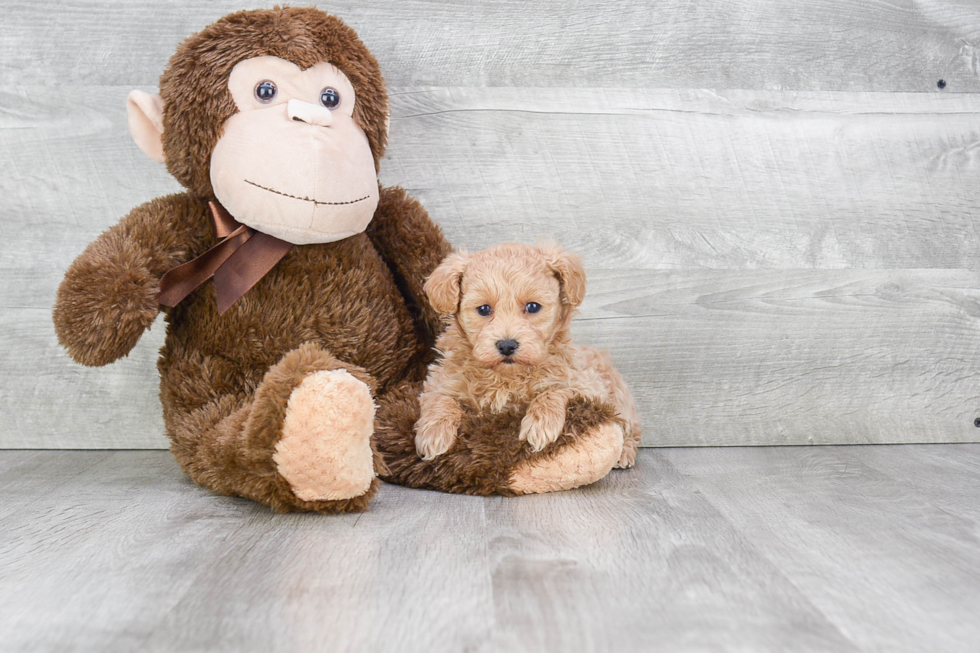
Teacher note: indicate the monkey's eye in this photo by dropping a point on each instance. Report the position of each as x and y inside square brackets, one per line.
[484, 310]
[265, 92]
[532, 307]
[329, 97]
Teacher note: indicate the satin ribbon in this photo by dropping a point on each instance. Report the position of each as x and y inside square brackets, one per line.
[240, 259]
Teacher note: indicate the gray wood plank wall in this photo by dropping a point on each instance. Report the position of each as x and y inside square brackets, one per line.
[774, 199]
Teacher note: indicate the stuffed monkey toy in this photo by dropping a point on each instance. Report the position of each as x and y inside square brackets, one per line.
[298, 334]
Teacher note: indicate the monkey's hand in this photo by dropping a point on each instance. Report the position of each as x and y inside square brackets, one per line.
[544, 420]
[106, 301]
[109, 295]
[439, 419]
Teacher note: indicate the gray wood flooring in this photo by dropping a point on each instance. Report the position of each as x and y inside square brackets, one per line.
[871, 548]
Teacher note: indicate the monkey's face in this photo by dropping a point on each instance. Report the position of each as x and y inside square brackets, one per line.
[251, 113]
[292, 162]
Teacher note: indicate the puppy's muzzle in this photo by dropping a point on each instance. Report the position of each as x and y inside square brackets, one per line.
[507, 347]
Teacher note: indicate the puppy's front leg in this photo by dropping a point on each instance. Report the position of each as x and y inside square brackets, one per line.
[439, 417]
[545, 418]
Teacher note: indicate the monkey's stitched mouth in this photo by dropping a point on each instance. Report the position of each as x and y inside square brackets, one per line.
[306, 199]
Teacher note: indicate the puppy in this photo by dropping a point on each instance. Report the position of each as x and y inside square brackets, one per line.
[507, 343]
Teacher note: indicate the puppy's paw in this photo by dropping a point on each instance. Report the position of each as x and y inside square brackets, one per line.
[630, 444]
[541, 426]
[434, 437]
[626, 460]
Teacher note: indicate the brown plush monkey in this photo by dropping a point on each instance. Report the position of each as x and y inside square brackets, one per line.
[297, 330]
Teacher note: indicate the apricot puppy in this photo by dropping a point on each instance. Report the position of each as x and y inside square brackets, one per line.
[507, 343]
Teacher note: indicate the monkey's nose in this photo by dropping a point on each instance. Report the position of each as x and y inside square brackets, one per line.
[309, 113]
[507, 347]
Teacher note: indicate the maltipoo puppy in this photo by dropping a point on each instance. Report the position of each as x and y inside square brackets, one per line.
[507, 344]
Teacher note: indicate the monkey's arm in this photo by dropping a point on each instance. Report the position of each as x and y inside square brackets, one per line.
[108, 297]
[412, 245]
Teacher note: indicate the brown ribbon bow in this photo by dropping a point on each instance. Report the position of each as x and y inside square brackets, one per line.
[241, 257]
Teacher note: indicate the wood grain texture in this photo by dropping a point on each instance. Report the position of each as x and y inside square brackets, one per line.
[631, 179]
[943, 476]
[691, 179]
[48, 401]
[791, 262]
[793, 356]
[640, 562]
[766, 267]
[765, 549]
[714, 357]
[852, 45]
[853, 536]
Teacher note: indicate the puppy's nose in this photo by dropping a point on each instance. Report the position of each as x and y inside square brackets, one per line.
[507, 347]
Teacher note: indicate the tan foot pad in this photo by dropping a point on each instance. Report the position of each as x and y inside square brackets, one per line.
[584, 462]
[325, 448]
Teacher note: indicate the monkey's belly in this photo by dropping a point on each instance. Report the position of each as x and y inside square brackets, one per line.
[339, 295]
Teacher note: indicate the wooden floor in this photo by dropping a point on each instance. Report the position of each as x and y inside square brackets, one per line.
[873, 548]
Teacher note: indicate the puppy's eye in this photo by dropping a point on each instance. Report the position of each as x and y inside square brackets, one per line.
[532, 307]
[484, 310]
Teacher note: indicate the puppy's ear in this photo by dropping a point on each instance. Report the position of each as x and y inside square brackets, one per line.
[444, 284]
[571, 275]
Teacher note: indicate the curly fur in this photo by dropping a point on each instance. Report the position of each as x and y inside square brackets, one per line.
[545, 372]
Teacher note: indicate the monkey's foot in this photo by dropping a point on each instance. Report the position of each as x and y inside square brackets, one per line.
[324, 452]
[488, 457]
[584, 461]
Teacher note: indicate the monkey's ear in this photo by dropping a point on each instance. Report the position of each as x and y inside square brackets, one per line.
[444, 285]
[145, 112]
[570, 272]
